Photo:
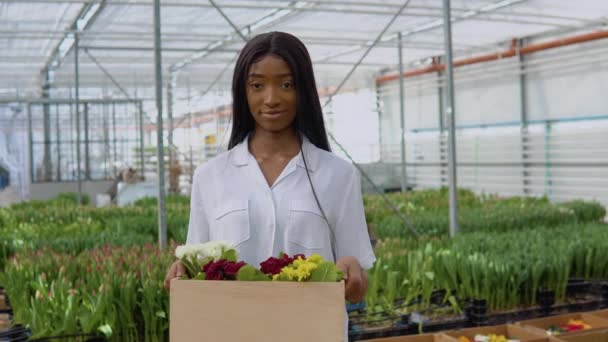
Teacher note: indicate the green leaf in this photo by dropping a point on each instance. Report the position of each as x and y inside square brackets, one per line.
[454, 303]
[204, 261]
[161, 314]
[283, 277]
[229, 255]
[326, 271]
[200, 276]
[189, 266]
[106, 330]
[250, 273]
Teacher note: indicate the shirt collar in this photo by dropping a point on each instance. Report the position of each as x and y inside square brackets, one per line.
[240, 154]
[311, 154]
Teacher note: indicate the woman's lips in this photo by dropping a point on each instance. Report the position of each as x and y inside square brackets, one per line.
[273, 114]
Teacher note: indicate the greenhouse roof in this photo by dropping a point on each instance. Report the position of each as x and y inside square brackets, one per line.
[200, 39]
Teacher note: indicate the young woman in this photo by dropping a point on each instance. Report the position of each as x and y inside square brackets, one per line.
[278, 188]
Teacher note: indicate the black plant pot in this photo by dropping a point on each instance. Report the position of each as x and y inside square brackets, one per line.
[479, 307]
[468, 309]
[478, 311]
[546, 300]
[604, 296]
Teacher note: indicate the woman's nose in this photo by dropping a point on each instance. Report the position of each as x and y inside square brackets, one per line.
[271, 97]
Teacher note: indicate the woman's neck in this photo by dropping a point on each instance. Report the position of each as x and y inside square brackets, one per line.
[264, 144]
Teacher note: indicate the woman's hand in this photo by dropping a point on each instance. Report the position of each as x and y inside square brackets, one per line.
[355, 278]
[175, 271]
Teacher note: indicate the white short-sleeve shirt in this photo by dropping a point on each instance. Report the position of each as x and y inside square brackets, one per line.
[231, 200]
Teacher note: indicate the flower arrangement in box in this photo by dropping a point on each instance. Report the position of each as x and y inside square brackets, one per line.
[487, 338]
[218, 260]
[573, 325]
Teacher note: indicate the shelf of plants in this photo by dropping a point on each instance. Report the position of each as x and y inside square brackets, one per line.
[54, 258]
[8, 330]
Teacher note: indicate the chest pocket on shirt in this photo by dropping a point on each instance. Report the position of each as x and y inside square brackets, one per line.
[231, 222]
[306, 226]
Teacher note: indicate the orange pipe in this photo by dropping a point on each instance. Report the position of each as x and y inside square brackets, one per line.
[511, 52]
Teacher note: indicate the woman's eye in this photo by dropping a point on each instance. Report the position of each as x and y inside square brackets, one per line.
[256, 85]
[287, 85]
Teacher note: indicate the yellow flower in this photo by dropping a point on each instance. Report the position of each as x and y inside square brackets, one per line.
[300, 269]
[315, 258]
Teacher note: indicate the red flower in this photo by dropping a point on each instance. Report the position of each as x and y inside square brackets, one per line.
[214, 270]
[222, 269]
[232, 268]
[274, 265]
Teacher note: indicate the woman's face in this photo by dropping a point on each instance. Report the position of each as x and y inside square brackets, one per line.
[271, 94]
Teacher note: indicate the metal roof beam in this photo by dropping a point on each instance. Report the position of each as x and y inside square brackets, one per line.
[436, 24]
[321, 6]
[273, 17]
[467, 15]
[57, 55]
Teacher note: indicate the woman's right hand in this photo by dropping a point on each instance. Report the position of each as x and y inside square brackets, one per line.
[175, 271]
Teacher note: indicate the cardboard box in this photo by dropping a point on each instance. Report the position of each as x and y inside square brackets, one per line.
[415, 338]
[256, 311]
[5, 322]
[587, 336]
[508, 330]
[603, 314]
[541, 325]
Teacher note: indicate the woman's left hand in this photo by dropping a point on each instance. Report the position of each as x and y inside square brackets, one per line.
[355, 278]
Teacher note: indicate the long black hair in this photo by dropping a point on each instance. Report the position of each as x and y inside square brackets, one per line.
[309, 116]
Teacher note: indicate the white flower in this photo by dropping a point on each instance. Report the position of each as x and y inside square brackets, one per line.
[212, 249]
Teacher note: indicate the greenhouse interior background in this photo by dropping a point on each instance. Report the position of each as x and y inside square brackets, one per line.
[479, 129]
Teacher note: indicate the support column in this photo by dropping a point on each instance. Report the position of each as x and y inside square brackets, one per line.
[141, 138]
[548, 175]
[72, 148]
[106, 140]
[402, 114]
[190, 137]
[87, 155]
[379, 111]
[114, 141]
[77, 96]
[443, 163]
[58, 137]
[440, 95]
[46, 121]
[162, 215]
[525, 140]
[31, 143]
[450, 114]
[170, 128]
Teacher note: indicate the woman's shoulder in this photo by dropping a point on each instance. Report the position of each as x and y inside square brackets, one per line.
[212, 167]
[331, 162]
